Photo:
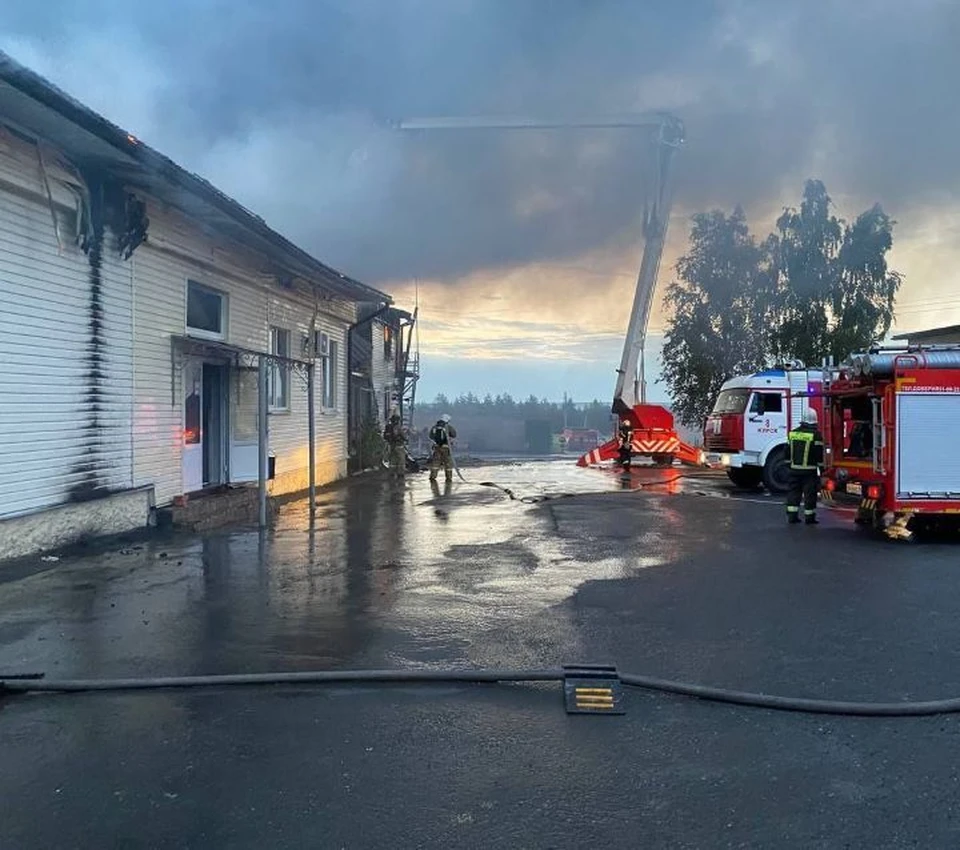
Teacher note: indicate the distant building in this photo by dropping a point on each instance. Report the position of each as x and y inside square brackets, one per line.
[949, 335]
[137, 303]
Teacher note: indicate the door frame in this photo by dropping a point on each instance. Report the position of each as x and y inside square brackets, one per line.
[192, 454]
[223, 424]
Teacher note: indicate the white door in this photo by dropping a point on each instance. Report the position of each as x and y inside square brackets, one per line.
[766, 420]
[244, 452]
[192, 428]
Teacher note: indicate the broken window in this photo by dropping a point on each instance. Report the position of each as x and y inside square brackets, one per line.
[387, 342]
[205, 311]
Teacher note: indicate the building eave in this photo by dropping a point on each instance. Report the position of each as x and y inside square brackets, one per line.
[105, 145]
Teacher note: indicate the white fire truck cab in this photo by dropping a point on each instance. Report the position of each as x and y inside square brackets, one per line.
[747, 431]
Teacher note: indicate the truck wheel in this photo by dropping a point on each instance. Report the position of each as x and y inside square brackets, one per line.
[662, 460]
[776, 471]
[745, 477]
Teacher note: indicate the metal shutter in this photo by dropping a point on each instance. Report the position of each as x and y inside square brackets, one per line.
[928, 463]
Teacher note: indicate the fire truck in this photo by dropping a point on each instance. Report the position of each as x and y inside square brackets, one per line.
[747, 431]
[654, 434]
[891, 437]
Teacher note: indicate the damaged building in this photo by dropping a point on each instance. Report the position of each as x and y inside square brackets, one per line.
[147, 321]
[384, 369]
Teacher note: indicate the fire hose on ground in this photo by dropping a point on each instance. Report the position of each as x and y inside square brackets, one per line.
[546, 497]
[38, 684]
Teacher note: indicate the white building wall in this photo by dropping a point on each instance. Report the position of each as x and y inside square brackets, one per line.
[175, 253]
[382, 369]
[66, 376]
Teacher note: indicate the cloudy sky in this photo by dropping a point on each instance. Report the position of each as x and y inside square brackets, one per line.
[524, 245]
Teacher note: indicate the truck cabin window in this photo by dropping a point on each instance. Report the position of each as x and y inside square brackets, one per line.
[764, 403]
[732, 401]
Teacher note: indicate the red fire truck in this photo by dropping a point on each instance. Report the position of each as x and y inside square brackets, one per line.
[890, 427]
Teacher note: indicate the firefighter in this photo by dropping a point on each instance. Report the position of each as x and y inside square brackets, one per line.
[396, 440]
[806, 458]
[624, 441]
[441, 434]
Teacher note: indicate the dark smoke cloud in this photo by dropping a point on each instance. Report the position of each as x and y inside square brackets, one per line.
[283, 104]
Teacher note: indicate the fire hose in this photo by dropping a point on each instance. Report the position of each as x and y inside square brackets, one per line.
[36, 684]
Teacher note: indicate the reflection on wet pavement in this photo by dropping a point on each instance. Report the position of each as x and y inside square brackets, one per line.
[389, 574]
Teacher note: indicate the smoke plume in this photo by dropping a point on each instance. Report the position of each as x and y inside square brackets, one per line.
[286, 106]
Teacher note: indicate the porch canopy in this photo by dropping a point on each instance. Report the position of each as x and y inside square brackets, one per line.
[260, 361]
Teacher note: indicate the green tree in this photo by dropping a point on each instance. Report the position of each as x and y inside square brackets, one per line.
[818, 286]
[718, 309]
[834, 293]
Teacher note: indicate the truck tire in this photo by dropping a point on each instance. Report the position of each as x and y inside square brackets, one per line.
[662, 460]
[745, 477]
[776, 471]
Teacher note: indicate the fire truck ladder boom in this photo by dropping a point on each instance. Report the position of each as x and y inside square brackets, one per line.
[654, 433]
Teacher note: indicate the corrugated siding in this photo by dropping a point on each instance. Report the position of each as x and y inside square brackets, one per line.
[288, 431]
[66, 382]
[173, 255]
[157, 414]
[381, 368]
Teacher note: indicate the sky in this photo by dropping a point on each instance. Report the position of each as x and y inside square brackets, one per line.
[523, 247]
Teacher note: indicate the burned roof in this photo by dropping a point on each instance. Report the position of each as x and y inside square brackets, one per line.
[34, 105]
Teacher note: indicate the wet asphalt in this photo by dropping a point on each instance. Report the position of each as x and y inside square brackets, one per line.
[679, 577]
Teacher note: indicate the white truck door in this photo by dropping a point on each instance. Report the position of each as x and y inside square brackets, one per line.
[766, 421]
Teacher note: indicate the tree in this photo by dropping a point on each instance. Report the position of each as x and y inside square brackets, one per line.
[718, 309]
[862, 307]
[818, 286]
[834, 293]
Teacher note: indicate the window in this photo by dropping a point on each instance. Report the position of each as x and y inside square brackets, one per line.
[764, 403]
[328, 351]
[205, 311]
[387, 342]
[279, 383]
[731, 401]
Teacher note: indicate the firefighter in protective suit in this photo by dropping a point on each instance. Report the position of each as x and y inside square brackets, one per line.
[441, 434]
[806, 458]
[396, 439]
[624, 443]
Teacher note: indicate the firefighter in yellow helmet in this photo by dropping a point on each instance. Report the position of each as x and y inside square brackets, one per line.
[806, 458]
[440, 435]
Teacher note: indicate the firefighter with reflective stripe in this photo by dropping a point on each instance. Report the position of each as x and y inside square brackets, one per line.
[624, 442]
[441, 434]
[806, 458]
[396, 439]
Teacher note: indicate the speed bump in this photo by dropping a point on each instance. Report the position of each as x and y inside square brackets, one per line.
[592, 689]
